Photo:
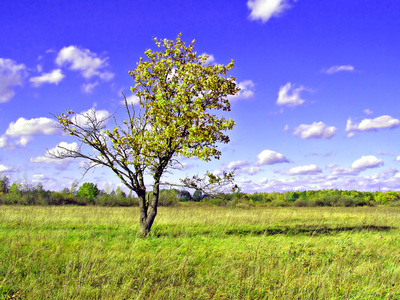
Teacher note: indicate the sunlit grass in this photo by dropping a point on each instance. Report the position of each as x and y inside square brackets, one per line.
[200, 252]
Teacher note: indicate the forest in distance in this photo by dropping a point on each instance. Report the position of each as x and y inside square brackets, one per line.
[89, 194]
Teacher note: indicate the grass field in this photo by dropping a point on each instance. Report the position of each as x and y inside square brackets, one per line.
[200, 252]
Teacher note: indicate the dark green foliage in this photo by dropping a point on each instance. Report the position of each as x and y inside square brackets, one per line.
[4, 185]
[198, 196]
[184, 196]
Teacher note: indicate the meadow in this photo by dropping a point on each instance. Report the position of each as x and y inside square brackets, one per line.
[199, 251]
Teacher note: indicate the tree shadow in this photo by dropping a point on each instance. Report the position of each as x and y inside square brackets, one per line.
[171, 231]
[306, 230]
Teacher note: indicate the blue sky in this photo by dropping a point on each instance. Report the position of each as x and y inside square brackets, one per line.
[319, 106]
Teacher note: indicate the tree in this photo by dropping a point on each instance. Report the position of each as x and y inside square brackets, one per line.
[4, 185]
[198, 196]
[88, 191]
[177, 91]
[184, 196]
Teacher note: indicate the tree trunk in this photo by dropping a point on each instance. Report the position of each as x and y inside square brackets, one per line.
[148, 210]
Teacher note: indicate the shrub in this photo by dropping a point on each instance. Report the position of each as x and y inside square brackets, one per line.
[346, 201]
[300, 203]
[217, 201]
[280, 203]
[115, 200]
[168, 198]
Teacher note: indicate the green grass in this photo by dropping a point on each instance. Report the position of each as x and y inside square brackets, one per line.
[200, 252]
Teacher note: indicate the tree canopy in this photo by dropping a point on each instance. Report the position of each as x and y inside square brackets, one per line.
[177, 92]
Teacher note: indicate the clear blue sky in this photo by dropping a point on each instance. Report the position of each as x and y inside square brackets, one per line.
[319, 106]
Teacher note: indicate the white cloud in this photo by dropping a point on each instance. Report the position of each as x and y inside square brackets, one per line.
[304, 170]
[3, 141]
[269, 157]
[335, 69]
[398, 158]
[218, 172]
[82, 118]
[4, 168]
[250, 170]
[210, 58]
[57, 150]
[290, 95]
[265, 9]
[237, 164]
[286, 128]
[84, 61]
[11, 75]
[41, 178]
[263, 180]
[88, 88]
[25, 128]
[351, 134]
[367, 111]
[132, 99]
[366, 162]
[315, 131]
[359, 165]
[54, 76]
[246, 92]
[245, 180]
[381, 122]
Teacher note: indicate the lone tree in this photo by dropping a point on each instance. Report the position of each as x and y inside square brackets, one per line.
[177, 92]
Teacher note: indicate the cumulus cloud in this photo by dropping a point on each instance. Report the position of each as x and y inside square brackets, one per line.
[367, 111]
[82, 118]
[250, 170]
[289, 95]
[210, 58]
[25, 130]
[381, 122]
[263, 180]
[36, 126]
[218, 172]
[265, 9]
[88, 88]
[315, 131]
[61, 148]
[246, 90]
[41, 178]
[351, 134]
[54, 76]
[11, 75]
[359, 165]
[3, 141]
[131, 99]
[366, 162]
[269, 157]
[245, 180]
[84, 61]
[304, 170]
[335, 69]
[4, 168]
[237, 164]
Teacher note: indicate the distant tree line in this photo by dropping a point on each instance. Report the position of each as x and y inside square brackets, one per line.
[89, 194]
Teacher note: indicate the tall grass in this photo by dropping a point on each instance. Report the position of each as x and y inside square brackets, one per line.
[200, 252]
